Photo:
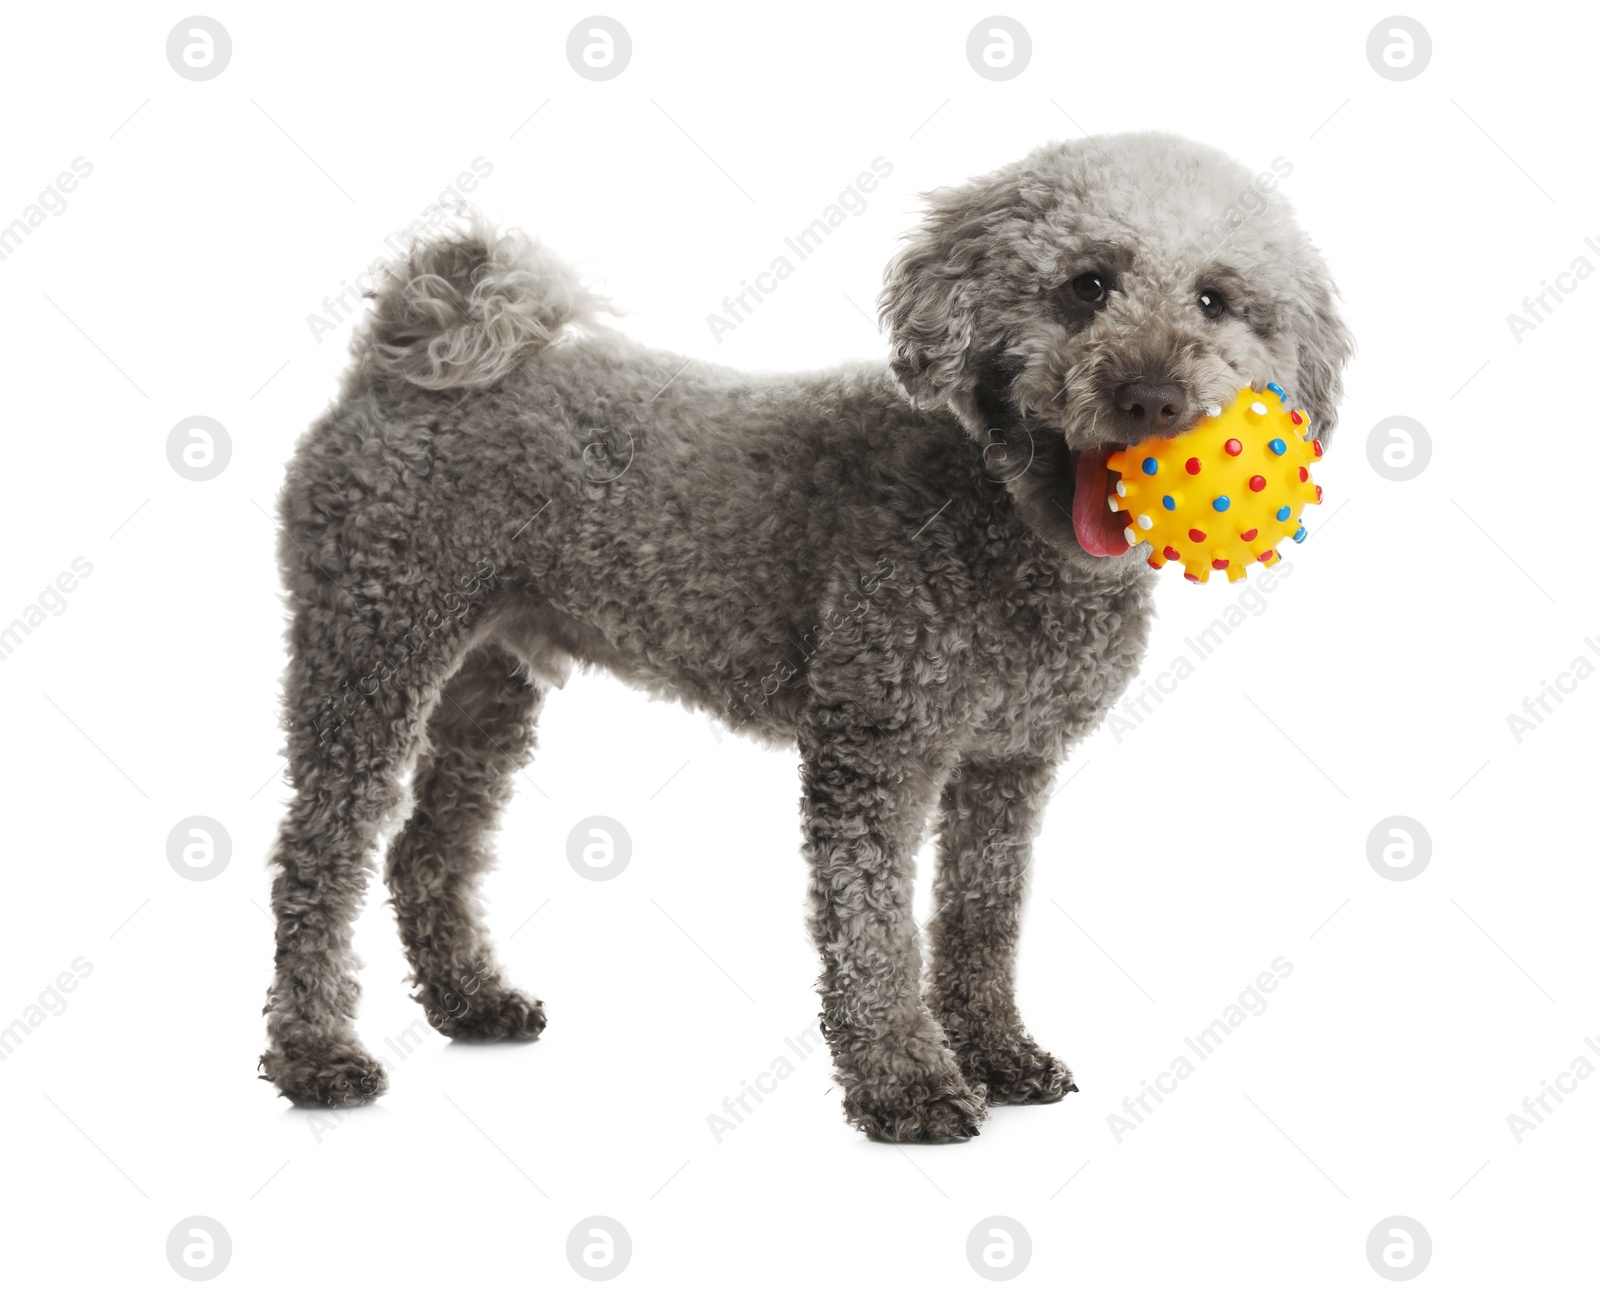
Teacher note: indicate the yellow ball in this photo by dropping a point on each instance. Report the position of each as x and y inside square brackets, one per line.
[1225, 494]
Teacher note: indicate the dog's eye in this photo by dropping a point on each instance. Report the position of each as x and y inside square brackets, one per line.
[1211, 303]
[1090, 288]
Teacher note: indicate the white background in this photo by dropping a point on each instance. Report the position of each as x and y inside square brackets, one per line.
[1229, 828]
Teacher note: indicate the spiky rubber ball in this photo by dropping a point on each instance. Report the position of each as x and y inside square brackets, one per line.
[1225, 494]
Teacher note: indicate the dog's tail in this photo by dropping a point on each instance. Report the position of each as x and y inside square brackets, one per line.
[465, 309]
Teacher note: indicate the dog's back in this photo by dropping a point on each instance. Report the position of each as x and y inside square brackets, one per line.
[692, 528]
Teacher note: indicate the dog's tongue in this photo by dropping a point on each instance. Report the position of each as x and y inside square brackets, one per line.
[1098, 530]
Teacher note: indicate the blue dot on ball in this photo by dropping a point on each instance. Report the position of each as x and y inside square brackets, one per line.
[1300, 536]
[1169, 502]
[1150, 466]
[1283, 514]
[1220, 504]
[1277, 446]
[1277, 392]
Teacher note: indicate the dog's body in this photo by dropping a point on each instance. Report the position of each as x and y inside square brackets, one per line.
[812, 558]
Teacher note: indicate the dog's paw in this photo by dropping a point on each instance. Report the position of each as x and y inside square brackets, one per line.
[939, 1111]
[339, 1075]
[1016, 1071]
[493, 1014]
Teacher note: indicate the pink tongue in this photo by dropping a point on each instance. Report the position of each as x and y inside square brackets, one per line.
[1098, 530]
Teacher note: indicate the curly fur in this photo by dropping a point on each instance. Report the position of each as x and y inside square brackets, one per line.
[504, 488]
[463, 311]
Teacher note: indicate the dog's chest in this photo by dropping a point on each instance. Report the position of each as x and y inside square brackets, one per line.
[1049, 663]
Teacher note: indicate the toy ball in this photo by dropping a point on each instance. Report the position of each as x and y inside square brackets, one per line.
[1225, 494]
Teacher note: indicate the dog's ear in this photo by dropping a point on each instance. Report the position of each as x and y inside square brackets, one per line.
[931, 291]
[1322, 346]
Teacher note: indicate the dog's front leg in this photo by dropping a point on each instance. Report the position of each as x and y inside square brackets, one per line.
[987, 820]
[867, 795]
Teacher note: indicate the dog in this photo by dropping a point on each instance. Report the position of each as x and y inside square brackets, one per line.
[910, 572]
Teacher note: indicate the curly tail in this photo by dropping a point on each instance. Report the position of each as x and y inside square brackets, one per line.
[465, 309]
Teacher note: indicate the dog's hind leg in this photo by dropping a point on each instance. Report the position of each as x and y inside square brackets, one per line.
[987, 819]
[866, 799]
[479, 733]
[362, 676]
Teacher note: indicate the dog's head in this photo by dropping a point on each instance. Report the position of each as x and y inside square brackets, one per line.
[1101, 292]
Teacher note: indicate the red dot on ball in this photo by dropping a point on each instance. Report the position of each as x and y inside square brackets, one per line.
[1296, 417]
[1258, 483]
[1189, 576]
[1264, 555]
[1196, 535]
[1231, 446]
[1248, 536]
[1171, 553]
[1192, 464]
[1219, 564]
[1155, 563]
[1304, 476]
[1316, 448]
[1319, 494]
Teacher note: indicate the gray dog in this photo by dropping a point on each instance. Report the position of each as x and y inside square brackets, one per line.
[930, 597]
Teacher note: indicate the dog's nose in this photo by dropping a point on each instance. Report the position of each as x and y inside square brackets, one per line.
[1151, 407]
